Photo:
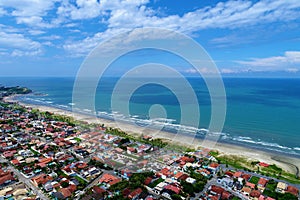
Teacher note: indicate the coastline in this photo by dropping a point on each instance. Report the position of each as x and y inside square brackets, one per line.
[288, 163]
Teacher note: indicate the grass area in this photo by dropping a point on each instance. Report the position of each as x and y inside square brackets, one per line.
[237, 162]
[156, 182]
[80, 180]
[132, 156]
[77, 139]
[34, 152]
[254, 180]
[271, 185]
[214, 153]
[240, 162]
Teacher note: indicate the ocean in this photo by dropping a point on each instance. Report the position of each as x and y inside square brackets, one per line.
[262, 113]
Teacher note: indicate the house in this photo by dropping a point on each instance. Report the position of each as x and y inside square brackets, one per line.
[6, 177]
[262, 184]
[293, 190]
[41, 179]
[65, 192]
[206, 173]
[246, 191]
[255, 194]
[226, 195]
[262, 164]
[237, 174]
[250, 185]
[134, 194]
[109, 180]
[173, 189]
[48, 186]
[227, 182]
[281, 187]
[147, 181]
[98, 190]
[190, 180]
[15, 162]
[159, 187]
[214, 167]
[216, 190]
[246, 177]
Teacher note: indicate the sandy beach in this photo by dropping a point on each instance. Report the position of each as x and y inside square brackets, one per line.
[282, 161]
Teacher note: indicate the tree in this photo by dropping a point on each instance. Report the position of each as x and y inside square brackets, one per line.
[176, 197]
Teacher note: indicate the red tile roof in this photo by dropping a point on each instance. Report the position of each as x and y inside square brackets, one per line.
[292, 190]
[263, 164]
[147, 180]
[229, 173]
[214, 165]
[246, 176]
[6, 176]
[237, 174]
[255, 193]
[217, 189]
[98, 190]
[251, 185]
[15, 162]
[135, 193]
[262, 182]
[66, 192]
[41, 179]
[109, 179]
[226, 195]
[172, 188]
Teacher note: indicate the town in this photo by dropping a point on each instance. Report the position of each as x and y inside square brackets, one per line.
[48, 156]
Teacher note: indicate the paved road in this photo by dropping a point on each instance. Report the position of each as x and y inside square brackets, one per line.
[262, 176]
[26, 181]
[213, 181]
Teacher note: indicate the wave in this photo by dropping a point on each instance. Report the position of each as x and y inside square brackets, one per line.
[170, 125]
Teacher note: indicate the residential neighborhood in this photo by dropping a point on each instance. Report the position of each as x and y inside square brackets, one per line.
[46, 156]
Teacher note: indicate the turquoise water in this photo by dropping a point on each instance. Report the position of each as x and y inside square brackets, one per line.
[261, 113]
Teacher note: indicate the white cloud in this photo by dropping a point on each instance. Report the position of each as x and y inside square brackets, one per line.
[285, 62]
[19, 44]
[134, 14]
[51, 37]
[19, 53]
[83, 9]
[2, 12]
[30, 12]
[36, 32]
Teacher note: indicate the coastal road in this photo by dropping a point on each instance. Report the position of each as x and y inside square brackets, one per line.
[261, 176]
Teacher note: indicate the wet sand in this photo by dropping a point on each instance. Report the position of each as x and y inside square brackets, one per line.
[288, 163]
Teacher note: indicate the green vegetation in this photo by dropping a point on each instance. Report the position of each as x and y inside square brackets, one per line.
[99, 164]
[77, 139]
[214, 153]
[254, 180]
[156, 182]
[7, 91]
[240, 162]
[138, 179]
[80, 180]
[271, 185]
[279, 196]
[119, 186]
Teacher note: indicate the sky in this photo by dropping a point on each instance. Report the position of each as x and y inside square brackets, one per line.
[244, 38]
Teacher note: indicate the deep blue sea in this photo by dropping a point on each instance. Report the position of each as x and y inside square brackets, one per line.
[263, 113]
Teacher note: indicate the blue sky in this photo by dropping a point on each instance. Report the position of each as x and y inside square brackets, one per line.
[244, 38]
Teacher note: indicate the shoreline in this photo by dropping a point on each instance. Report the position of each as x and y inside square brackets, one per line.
[286, 162]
